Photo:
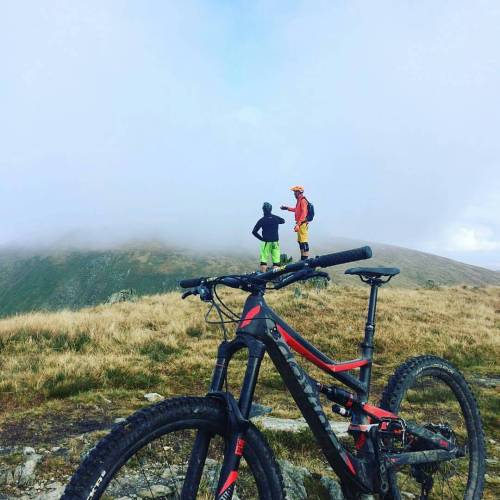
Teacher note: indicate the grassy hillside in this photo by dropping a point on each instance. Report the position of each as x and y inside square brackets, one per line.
[74, 279]
[81, 278]
[63, 373]
[417, 268]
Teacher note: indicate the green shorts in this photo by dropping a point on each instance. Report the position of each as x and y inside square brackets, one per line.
[270, 249]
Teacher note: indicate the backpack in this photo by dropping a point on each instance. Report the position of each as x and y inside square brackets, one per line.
[310, 211]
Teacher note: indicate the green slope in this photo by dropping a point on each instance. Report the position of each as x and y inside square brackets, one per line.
[80, 278]
[73, 279]
[417, 268]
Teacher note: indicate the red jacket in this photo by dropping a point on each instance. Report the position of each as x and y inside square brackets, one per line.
[300, 210]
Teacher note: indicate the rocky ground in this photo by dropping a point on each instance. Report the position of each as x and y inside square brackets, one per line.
[41, 473]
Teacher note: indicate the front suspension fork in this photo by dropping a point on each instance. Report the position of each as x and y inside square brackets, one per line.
[237, 420]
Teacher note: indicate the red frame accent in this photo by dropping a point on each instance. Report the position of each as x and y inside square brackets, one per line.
[233, 475]
[378, 413]
[249, 316]
[444, 444]
[349, 365]
[240, 445]
[329, 367]
[349, 464]
[360, 441]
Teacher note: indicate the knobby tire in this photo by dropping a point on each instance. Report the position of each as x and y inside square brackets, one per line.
[150, 429]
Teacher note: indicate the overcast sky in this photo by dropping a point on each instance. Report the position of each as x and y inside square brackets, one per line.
[177, 119]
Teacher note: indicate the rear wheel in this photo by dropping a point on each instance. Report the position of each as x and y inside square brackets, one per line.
[148, 455]
[431, 392]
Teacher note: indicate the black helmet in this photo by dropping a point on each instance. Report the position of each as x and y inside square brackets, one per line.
[267, 207]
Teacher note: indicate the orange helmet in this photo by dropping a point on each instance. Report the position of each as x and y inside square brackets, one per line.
[300, 189]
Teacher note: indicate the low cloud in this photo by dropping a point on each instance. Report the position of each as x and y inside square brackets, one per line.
[472, 239]
[178, 120]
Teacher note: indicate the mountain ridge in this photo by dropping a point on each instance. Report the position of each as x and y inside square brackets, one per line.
[51, 278]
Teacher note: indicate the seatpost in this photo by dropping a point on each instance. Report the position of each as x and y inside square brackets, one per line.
[367, 345]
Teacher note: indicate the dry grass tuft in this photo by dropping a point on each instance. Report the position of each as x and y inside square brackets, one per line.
[162, 342]
[52, 362]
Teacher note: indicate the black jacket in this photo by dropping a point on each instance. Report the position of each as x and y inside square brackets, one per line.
[269, 224]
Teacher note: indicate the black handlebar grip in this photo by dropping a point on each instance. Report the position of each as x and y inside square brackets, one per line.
[232, 282]
[191, 282]
[293, 278]
[333, 259]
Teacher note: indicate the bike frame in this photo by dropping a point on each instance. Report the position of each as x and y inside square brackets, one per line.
[261, 330]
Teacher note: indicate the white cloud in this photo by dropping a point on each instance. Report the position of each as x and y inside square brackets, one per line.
[118, 116]
[472, 239]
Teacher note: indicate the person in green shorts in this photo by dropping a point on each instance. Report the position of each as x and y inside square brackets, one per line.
[270, 246]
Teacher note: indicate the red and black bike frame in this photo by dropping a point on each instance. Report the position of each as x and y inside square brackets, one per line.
[261, 330]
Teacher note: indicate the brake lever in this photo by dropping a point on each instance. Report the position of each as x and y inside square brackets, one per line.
[205, 293]
[185, 295]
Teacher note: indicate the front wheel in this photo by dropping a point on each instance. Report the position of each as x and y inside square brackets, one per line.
[431, 392]
[147, 456]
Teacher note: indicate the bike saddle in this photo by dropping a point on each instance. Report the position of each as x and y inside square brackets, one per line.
[373, 272]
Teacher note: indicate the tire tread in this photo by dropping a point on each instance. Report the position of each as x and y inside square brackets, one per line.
[140, 425]
[405, 374]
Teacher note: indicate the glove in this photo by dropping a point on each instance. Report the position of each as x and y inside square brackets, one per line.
[296, 228]
[283, 207]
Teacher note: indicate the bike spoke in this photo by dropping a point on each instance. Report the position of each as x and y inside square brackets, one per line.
[174, 483]
[431, 403]
[442, 489]
[215, 479]
[158, 470]
[141, 463]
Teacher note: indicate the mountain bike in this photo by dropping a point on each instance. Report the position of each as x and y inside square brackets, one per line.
[424, 440]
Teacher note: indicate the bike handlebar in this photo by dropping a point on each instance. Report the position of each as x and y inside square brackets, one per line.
[304, 274]
[224, 280]
[334, 259]
[331, 259]
[232, 282]
[191, 282]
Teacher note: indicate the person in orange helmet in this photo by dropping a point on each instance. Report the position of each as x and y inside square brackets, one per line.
[301, 221]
